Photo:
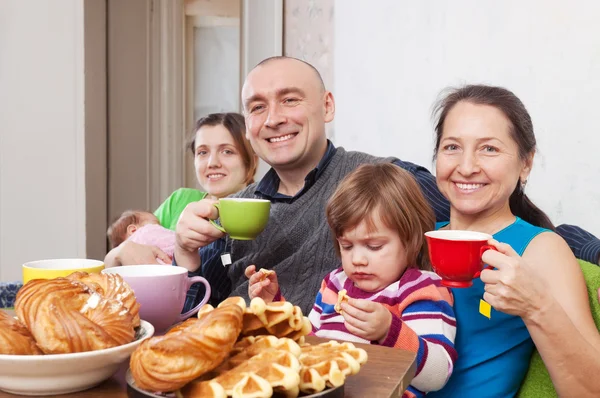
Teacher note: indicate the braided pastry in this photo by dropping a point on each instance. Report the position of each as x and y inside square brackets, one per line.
[67, 316]
[167, 363]
[15, 339]
[111, 286]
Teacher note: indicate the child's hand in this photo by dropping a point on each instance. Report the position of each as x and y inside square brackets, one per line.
[261, 284]
[367, 319]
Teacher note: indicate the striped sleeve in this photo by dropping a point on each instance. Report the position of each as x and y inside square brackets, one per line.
[426, 326]
[315, 314]
[215, 273]
[583, 244]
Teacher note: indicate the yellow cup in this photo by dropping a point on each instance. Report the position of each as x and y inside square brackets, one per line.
[49, 269]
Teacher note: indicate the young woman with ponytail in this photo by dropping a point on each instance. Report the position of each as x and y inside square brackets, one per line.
[484, 152]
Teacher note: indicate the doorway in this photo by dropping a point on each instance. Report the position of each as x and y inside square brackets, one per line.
[169, 62]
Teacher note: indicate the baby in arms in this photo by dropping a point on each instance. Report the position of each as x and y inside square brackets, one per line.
[141, 227]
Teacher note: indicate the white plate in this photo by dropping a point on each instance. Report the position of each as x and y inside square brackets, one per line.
[65, 373]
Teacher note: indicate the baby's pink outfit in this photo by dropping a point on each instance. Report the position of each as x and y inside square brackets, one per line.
[155, 235]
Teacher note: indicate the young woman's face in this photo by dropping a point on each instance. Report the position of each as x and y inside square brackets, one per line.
[478, 164]
[219, 166]
[372, 259]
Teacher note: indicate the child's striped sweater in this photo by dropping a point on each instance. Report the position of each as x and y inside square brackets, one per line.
[422, 321]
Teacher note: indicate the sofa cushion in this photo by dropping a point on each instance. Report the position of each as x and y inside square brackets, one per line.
[537, 382]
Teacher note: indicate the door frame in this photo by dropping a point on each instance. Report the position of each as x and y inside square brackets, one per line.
[152, 115]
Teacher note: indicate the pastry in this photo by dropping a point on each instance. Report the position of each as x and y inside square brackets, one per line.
[328, 364]
[342, 298]
[201, 357]
[265, 273]
[270, 371]
[280, 319]
[250, 346]
[66, 316]
[15, 339]
[111, 286]
[167, 363]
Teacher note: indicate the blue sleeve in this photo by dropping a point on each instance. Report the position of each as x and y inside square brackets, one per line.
[584, 245]
[214, 272]
[440, 205]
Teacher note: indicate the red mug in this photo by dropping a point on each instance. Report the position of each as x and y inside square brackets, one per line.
[456, 255]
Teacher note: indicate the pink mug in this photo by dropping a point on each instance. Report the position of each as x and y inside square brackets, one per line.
[161, 292]
[456, 255]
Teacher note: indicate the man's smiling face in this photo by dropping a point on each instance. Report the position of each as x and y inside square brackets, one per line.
[286, 109]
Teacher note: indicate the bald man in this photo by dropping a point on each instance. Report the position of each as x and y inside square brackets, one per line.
[286, 107]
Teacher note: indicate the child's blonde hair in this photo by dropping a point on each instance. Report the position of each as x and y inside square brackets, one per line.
[395, 194]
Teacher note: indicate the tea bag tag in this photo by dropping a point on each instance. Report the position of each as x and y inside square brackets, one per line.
[485, 309]
[226, 259]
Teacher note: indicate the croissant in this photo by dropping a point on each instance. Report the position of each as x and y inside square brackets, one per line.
[66, 316]
[15, 339]
[167, 363]
[111, 286]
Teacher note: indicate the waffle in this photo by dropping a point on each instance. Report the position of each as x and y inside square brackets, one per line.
[328, 364]
[264, 273]
[271, 371]
[250, 346]
[280, 319]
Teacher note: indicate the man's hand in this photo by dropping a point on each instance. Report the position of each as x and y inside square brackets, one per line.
[261, 284]
[367, 319]
[193, 229]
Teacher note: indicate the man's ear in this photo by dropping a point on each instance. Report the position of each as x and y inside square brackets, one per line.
[329, 103]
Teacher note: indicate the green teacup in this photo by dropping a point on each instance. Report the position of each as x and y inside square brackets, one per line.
[242, 219]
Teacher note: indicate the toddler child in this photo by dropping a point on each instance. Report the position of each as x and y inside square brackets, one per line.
[383, 291]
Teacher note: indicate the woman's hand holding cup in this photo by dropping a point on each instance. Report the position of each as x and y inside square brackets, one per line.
[513, 287]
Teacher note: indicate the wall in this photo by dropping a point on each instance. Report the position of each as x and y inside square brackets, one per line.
[391, 61]
[129, 106]
[43, 131]
[308, 35]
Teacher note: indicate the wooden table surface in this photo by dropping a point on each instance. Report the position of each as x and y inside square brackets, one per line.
[387, 373]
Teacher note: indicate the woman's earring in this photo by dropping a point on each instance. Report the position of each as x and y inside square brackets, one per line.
[523, 183]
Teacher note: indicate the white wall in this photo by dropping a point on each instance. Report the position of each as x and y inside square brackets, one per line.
[42, 157]
[393, 57]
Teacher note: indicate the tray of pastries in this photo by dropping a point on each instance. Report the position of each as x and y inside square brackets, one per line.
[242, 351]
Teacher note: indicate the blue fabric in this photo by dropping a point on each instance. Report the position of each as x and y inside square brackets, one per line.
[214, 272]
[493, 354]
[8, 293]
[584, 245]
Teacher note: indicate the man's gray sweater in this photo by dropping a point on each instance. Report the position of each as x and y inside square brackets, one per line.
[297, 242]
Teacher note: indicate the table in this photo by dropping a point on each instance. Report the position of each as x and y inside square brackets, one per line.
[386, 374]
